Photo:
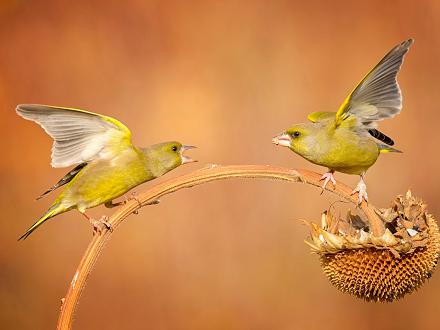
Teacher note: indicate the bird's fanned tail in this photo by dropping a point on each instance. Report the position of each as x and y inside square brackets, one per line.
[53, 210]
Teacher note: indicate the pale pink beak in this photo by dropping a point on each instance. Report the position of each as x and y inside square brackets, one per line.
[186, 159]
[282, 140]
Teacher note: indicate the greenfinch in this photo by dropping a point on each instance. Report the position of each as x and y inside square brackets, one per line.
[347, 141]
[107, 163]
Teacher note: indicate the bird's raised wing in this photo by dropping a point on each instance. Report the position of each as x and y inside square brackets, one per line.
[79, 136]
[378, 95]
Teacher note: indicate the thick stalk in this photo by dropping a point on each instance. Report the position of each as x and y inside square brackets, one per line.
[205, 175]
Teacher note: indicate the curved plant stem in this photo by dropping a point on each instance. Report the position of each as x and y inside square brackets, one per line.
[205, 175]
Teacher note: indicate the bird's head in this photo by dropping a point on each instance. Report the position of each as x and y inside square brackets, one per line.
[168, 155]
[297, 138]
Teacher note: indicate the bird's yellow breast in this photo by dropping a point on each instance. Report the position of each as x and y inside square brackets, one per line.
[340, 149]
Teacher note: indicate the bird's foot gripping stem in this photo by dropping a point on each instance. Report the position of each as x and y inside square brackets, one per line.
[99, 225]
[328, 177]
[132, 196]
[361, 189]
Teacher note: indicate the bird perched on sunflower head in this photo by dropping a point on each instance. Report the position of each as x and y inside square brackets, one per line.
[347, 141]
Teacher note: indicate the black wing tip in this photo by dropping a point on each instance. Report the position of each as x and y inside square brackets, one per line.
[381, 137]
[31, 106]
[19, 109]
[401, 49]
[405, 44]
[25, 235]
[25, 108]
[42, 195]
[408, 42]
[50, 190]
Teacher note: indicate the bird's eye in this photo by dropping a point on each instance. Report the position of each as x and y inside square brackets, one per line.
[174, 148]
[296, 134]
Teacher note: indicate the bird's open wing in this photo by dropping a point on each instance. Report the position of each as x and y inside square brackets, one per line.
[378, 95]
[79, 136]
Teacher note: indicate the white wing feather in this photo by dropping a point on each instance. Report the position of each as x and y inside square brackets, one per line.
[378, 95]
[79, 136]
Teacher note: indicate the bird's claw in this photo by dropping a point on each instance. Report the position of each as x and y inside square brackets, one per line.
[132, 196]
[100, 225]
[328, 177]
[361, 189]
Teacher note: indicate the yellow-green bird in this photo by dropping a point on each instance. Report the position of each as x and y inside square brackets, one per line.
[108, 164]
[347, 141]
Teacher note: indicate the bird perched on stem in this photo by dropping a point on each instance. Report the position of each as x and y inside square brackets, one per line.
[107, 163]
[347, 141]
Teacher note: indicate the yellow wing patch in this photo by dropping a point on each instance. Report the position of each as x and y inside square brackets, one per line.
[315, 117]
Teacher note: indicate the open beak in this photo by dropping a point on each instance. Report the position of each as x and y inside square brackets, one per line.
[186, 159]
[282, 140]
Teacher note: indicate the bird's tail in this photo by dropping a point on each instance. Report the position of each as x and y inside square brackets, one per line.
[53, 211]
[383, 148]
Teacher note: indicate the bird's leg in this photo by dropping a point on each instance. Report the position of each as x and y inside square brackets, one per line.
[361, 189]
[328, 177]
[132, 196]
[110, 204]
[98, 224]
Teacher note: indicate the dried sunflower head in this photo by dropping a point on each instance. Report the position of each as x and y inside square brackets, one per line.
[381, 268]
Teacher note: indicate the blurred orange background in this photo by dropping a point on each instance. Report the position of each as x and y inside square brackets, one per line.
[225, 76]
